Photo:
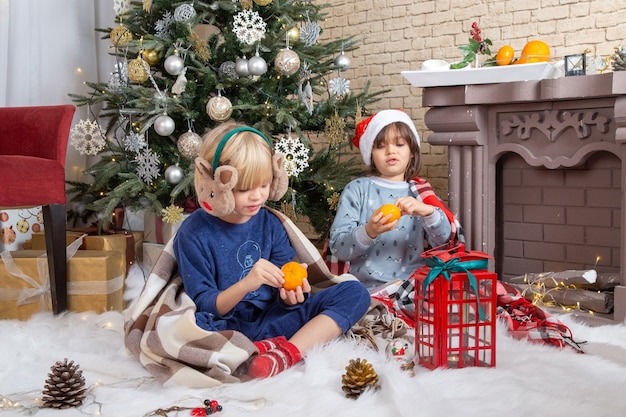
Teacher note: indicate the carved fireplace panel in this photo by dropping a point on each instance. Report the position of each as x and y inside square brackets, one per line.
[536, 171]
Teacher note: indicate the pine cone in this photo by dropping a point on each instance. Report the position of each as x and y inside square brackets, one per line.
[359, 376]
[619, 59]
[65, 386]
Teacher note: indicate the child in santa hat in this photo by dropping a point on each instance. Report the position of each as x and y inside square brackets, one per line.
[377, 250]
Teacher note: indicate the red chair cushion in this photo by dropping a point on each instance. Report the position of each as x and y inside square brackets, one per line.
[31, 181]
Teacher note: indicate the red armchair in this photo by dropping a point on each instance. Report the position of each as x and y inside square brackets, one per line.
[33, 145]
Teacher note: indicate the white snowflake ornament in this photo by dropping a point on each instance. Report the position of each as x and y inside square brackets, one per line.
[87, 137]
[121, 6]
[147, 165]
[339, 86]
[296, 155]
[249, 27]
[162, 25]
[135, 142]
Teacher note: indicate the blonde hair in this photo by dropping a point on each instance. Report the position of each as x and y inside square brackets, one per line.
[245, 151]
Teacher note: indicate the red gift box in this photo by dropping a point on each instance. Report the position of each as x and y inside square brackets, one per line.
[455, 310]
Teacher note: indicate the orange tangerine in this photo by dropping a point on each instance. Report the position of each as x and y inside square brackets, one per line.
[505, 55]
[294, 274]
[387, 209]
[534, 51]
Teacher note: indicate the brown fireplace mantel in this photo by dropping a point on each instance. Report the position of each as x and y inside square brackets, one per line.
[551, 123]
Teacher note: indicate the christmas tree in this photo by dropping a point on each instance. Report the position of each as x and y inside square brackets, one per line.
[184, 67]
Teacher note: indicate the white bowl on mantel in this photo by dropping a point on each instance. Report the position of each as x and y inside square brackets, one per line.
[484, 75]
[435, 65]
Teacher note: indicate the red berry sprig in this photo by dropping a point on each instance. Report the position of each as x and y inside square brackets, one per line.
[210, 407]
[475, 32]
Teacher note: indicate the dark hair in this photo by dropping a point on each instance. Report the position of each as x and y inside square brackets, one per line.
[404, 132]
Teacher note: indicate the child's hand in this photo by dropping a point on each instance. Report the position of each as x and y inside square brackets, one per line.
[293, 297]
[377, 224]
[414, 207]
[263, 272]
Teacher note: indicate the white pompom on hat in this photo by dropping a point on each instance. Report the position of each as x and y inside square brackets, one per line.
[367, 130]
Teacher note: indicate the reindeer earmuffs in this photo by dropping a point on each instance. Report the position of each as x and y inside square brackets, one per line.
[215, 188]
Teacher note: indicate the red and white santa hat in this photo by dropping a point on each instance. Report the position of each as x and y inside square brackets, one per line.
[367, 130]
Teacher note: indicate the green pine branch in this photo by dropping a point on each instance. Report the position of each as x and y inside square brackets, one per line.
[268, 102]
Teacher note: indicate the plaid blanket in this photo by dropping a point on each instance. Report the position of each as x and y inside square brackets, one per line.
[160, 327]
[527, 321]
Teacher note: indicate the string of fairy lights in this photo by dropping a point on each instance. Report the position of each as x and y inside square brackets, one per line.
[542, 295]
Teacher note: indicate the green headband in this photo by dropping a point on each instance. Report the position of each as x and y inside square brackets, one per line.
[220, 146]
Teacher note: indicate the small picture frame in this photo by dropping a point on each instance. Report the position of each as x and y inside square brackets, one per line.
[575, 65]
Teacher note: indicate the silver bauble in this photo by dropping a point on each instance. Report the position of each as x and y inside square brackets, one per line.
[189, 144]
[257, 65]
[287, 62]
[164, 125]
[219, 108]
[184, 12]
[342, 61]
[227, 69]
[241, 67]
[174, 64]
[173, 174]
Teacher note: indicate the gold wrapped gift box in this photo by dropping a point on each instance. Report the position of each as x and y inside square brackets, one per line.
[129, 244]
[95, 283]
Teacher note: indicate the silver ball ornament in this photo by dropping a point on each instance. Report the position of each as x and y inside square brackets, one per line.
[173, 174]
[164, 125]
[227, 69]
[257, 65]
[287, 62]
[241, 67]
[189, 144]
[342, 61]
[174, 64]
[184, 12]
[219, 108]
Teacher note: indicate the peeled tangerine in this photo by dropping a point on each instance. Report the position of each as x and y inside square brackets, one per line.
[294, 274]
[388, 209]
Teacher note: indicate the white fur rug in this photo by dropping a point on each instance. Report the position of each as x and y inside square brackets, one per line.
[529, 379]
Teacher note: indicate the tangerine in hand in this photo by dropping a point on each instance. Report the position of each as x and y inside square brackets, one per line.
[387, 209]
[294, 274]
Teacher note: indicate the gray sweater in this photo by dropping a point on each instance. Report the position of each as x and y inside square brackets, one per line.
[392, 255]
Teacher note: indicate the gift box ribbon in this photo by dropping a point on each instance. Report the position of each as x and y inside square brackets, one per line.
[41, 291]
[444, 268]
[36, 291]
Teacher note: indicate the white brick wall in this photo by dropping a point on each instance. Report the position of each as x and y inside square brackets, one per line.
[398, 35]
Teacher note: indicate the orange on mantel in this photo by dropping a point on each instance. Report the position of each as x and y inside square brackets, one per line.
[294, 274]
[534, 51]
[505, 55]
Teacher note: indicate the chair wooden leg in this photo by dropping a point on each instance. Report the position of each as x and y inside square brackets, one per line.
[54, 220]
